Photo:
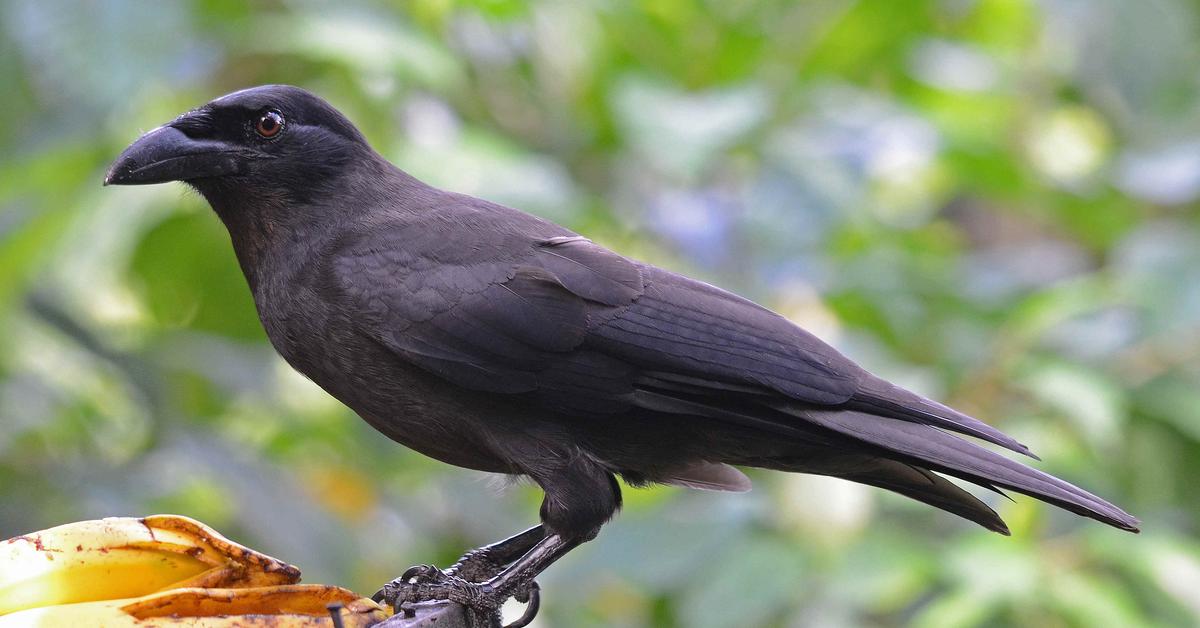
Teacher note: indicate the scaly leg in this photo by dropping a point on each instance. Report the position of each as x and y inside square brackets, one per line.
[484, 563]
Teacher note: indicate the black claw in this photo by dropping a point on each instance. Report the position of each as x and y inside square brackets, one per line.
[423, 573]
[381, 596]
[533, 600]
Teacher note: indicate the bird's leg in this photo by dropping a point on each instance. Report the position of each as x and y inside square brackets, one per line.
[580, 497]
[480, 564]
[477, 565]
[422, 584]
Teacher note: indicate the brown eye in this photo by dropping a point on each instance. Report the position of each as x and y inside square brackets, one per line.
[269, 124]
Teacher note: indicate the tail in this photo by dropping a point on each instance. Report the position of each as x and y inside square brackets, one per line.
[906, 479]
[891, 438]
[926, 447]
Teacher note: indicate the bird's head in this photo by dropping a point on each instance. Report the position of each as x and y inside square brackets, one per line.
[268, 141]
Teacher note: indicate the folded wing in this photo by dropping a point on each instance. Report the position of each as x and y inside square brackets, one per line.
[586, 332]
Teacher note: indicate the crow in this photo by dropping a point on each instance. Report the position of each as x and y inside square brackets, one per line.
[494, 340]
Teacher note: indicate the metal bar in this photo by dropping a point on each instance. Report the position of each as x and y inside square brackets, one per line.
[438, 615]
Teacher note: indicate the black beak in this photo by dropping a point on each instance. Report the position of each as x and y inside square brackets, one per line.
[167, 154]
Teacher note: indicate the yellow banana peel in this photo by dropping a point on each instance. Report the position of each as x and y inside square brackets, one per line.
[284, 606]
[163, 570]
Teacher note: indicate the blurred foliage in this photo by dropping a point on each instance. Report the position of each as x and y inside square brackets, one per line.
[992, 201]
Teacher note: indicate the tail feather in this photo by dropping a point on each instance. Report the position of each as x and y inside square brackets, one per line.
[937, 491]
[908, 480]
[849, 435]
[930, 447]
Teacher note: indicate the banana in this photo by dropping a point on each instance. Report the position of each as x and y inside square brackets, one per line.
[284, 606]
[126, 557]
[163, 571]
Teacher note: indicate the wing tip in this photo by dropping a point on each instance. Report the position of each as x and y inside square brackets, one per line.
[889, 400]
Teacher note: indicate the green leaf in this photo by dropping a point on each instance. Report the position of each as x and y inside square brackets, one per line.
[185, 270]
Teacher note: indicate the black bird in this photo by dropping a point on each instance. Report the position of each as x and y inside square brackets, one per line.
[494, 340]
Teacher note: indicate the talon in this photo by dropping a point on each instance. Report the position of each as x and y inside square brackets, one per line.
[386, 591]
[533, 599]
[422, 573]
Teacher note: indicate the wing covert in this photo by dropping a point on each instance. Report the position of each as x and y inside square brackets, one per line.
[558, 314]
[689, 331]
[512, 322]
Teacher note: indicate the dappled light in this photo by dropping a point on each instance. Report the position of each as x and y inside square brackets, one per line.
[992, 203]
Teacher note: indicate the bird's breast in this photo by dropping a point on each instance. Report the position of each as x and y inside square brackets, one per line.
[322, 341]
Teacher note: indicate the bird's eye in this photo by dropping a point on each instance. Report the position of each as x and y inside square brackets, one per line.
[269, 124]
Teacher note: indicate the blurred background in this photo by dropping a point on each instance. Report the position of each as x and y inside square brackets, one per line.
[991, 201]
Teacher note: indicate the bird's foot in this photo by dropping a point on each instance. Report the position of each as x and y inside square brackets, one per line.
[427, 583]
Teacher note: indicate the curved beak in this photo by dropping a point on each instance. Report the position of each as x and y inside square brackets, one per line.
[168, 154]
